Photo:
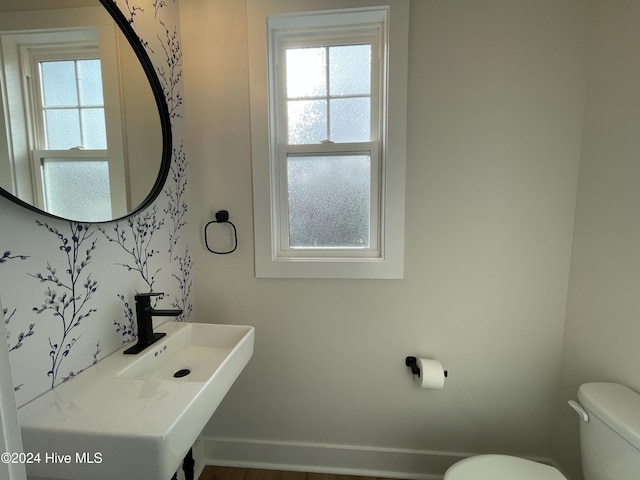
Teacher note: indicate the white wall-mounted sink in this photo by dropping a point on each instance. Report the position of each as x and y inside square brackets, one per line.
[128, 416]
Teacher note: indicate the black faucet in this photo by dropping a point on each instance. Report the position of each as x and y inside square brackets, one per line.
[144, 313]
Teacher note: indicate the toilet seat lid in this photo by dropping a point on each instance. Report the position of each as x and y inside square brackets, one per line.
[501, 467]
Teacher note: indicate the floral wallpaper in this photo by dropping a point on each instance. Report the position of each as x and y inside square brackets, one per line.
[67, 288]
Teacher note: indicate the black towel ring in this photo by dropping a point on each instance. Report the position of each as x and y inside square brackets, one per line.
[221, 217]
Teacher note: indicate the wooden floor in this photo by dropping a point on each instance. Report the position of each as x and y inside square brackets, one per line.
[229, 473]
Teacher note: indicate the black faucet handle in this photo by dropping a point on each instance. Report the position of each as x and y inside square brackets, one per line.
[146, 296]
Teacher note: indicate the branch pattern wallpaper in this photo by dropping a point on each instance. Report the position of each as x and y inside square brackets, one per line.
[67, 288]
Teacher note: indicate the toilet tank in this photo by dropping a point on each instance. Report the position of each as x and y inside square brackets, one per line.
[610, 438]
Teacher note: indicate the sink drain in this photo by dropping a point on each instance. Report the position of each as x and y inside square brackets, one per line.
[182, 373]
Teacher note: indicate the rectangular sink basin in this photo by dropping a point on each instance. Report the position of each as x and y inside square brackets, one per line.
[198, 349]
[131, 416]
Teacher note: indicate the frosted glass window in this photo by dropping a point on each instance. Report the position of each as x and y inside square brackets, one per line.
[90, 82]
[73, 104]
[94, 131]
[62, 129]
[59, 87]
[328, 94]
[307, 121]
[77, 188]
[344, 62]
[350, 119]
[329, 201]
[306, 72]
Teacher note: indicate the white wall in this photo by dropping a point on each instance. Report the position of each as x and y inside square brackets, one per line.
[496, 95]
[602, 326]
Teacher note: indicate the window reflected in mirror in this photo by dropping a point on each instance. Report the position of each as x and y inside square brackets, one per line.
[81, 137]
[71, 156]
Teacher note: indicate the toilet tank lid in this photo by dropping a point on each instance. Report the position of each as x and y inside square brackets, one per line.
[616, 405]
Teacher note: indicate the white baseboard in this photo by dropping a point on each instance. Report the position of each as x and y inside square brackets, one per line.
[324, 458]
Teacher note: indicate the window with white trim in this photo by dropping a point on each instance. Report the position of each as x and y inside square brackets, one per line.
[65, 141]
[71, 137]
[329, 194]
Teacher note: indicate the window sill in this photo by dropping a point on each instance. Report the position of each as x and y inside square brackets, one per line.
[330, 268]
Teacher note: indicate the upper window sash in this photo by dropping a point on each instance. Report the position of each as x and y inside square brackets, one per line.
[284, 99]
[283, 39]
[33, 57]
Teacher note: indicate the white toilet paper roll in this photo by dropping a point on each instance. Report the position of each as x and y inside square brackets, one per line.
[432, 374]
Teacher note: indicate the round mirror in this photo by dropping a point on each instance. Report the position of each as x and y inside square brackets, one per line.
[85, 131]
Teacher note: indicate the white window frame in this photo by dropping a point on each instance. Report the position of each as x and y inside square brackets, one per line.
[385, 256]
[282, 38]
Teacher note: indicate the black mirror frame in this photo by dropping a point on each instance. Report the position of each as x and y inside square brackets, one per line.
[163, 110]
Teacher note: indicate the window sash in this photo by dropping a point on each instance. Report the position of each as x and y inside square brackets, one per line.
[358, 35]
[281, 214]
[61, 53]
[40, 157]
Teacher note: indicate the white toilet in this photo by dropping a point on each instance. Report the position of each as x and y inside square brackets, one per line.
[609, 442]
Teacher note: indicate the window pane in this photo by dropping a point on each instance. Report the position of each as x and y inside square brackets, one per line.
[306, 72]
[93, 129]
[59, 88]
[307, 121]
[329, 201]
[63, 129]
[350, 70]
[77, 188]
[351, 120]
[90, 82]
